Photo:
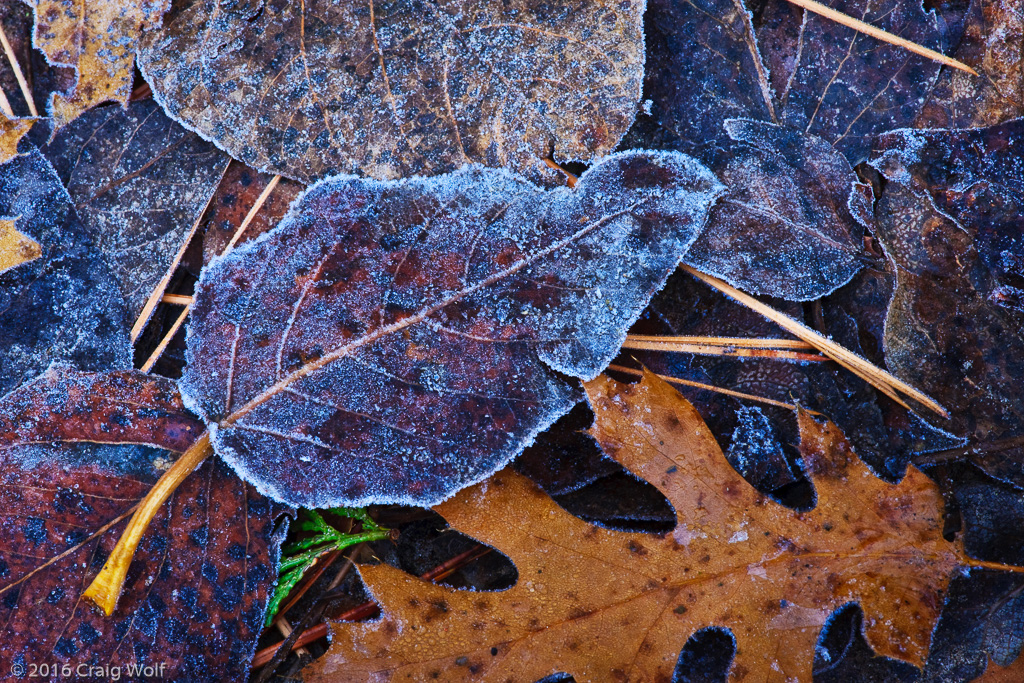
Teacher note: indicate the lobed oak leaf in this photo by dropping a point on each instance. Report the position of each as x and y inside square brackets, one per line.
[98, 39]
[71, 474]
[11, 133]
[63, 306]
[396, 341]
[602, 605]
[949, 218]
[392, 90]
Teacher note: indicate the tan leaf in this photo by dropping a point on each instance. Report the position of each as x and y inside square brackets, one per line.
[11, 132]
[604, 605]
[16, 247]
[98, 40]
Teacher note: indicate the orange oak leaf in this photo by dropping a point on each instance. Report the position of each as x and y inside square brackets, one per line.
[11, 133]
[98, 40]
[604, 605]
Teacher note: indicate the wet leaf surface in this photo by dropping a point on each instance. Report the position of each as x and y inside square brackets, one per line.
[394, 342]
[950, 218]
[396, 89]
[64, 305]
[139, 182]
[605, 605]
[97, 39]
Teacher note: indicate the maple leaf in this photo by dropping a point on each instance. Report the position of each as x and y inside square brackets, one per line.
[63, 306]
[139, 182]
[950, 220]
[69, 479]
[97, 39]
[396, 341]
[603, 605]
[395, 89]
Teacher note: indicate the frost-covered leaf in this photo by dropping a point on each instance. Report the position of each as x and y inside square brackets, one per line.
[11, 133]
[950, 218]
[394, 89]
[139, 182]
[993, 44]
[73, 467]
[605, 606]
[64, 305]
[97, 39]
[396, 341]
[792, 223]
[63, 405]
[712, 60]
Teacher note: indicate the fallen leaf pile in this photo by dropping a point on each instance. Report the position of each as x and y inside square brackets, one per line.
[261, 256]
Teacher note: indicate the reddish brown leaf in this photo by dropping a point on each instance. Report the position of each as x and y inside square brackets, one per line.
[395, 89]
[605, 606]
[112, 407]
[398, 341]
[950, 218]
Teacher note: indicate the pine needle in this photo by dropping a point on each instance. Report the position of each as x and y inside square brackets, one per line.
[159, 350]
[868, 29]
[22, 83]
[260, 201]
[738, 342]
[873, 375]
[719, 350]
[711, 387]
[177, 299]
[5, 106]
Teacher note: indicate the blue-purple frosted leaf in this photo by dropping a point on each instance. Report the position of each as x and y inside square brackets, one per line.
[396, 341]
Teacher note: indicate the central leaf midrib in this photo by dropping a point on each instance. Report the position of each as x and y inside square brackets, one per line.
[371, 337]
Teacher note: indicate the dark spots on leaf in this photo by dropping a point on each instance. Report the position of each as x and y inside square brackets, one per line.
[34, 530]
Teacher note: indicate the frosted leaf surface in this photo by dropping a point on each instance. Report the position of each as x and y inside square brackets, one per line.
[396, 341]
[791, 225]
[391, 90]
[950, 218]
[63, 305]
[139, 182]
[712, 60]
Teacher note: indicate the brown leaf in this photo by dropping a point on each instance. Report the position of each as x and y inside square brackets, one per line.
[112, 407]
[950, 219]
[63, 306]
[395, 89]
[98, 39]
[396, 341]
[795, 193]
[11, 133]
[604, 606]
[993, 43]
[140, 183]
[16, 248]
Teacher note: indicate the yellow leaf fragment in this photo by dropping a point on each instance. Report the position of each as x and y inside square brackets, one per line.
[16, 248]
[98, 39]
[11, 132]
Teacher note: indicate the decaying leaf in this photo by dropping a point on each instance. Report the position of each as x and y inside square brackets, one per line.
[950, 218]
[396, 341]
[98, 39]
[16, 248]
[11, 133]
[604, 606]
[391, 90]
[992, 43]
[139, 183]
[712, 60]
[64, 305]
[72, 470]
[795, 193]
